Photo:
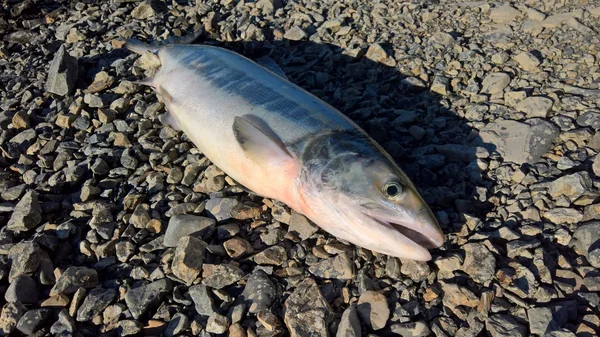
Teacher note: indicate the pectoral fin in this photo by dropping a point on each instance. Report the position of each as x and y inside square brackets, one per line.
[259, 142]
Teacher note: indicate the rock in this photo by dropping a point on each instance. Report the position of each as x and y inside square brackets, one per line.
[145, 10]
[63, 73]
[203, 301]
[22, 289]
[129, 327]
[58, 300]
[275, 256]
[32, 320]
[64, 324]
[541, 321]
[440, 85]
[374, 310]
[416, 270]
[307, 312]
[25, 259]
[339, 267]
[217, 324]
[377, 54]
[500, 325]
[295, 34]
[479, 263]
[178, 323]
[188, 259]
[443, 39]
[95, 302]
[518, 142]
[535, 106]
[221, 275]
[301, 226]
[587, 241]
[27, 214]
[495, 83]
[571, 186]
[140, 216]
[220, 208]
[349, 324]
[269, 6]
[186, 225]
[259, 293]
[589, 118]
[10, 316]
[505, 13]
[562, 215]
[102, 81]
[411, 329]
[528, 61]
[145, 296]
[74, 278]
[455, 296]
[237, 247]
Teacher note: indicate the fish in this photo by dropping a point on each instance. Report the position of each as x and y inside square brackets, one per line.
[281, 142]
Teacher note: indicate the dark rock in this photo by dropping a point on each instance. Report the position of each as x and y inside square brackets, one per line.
[63, 73]
[184, 225]
[95, 302]
[145, 296]
[74, 278]
[259, 293]
[22, 289]
[307, 312]
[27, 214]
[33, 320]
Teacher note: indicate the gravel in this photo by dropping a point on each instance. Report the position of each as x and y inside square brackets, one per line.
[112, 223]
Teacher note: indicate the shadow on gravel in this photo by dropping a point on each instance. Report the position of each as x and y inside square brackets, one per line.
[430, 142]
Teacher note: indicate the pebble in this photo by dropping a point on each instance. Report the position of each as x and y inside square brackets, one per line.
[25, 259]
[10, 316]
[217, 324]
[571, 186]
[504, 13]
[178, 324]
[259, 293]
[338, 267]
[203, 302]
[64, 324]
[186, 225]
[495, 83]
[307, 311]
[535, 106]
[32, 320]
[586, 241]
[479, 263]
[95, 302]
[295, 34]
[274, 255]
[374, 309]
[74, 278]
[301, 226]
[189, 258]
[22, 289]
[63, 73]
[527, 61]
[141, 298]
[237, 247]
[220, 208]
[27, 213]
[500, 325]
[221, 275]
[411, 329]
[145, 10]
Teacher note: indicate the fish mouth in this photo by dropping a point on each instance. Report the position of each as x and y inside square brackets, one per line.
[408, 230]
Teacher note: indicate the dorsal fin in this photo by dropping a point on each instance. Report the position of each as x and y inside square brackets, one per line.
[271, 65]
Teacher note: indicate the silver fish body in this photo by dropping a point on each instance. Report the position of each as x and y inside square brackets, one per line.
[282, 142]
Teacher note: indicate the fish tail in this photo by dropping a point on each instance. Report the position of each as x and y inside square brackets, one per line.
[139, 47]
[146, 81]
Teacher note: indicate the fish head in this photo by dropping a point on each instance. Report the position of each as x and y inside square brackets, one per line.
[366, 199]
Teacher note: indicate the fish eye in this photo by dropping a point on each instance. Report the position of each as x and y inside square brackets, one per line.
[392, 190]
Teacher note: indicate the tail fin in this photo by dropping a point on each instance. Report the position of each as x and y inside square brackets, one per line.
[139, 47]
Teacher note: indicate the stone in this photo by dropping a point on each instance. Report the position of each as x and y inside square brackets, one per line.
[541, 321]
[411, 329]
[416, 270]
[32, 320]
[74, 278]
[220, 208]
[145, 10]
[586, 241]
[188, 259]
[102, 81]
[376, 53]
[275, 256]
[301, 226]
[27, 213]
[561, 215]
[505, 13]
[527, 61]
[10, 316]
[259, 293]
[535, 106]
[589, 118]
[202, 300]
[217, 324]
[25, 259]
[178, 323]
[95, 302]
[237, 247]
[141, 298]
[307, 312]
[456, 296]
[221, 275]
[339, 267]
[22, 289]
[63, 73]
[440, 85]
[495, 83]
[186, 225]
[518, 142]
[295, 33]
[140, 216]
[349, 324]
[268, 320]
[58, 300]
[479, 263]
[64, 324]
[500, 325]
[374, 309]
[571, 186]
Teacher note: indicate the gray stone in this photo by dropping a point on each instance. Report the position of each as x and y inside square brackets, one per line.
[188, 259]
[411, 329]
[221, 275]
[587, 241]
[307, 312]
[374, 309]
[64, 324]
[63, 73]
[301, 226]
[25, 259]
[259, 293]
[504, 325]
[129, 327]
[202, 300]
[145, 10]
[27, 214]
[541, 321]
[22, 289]
[535, 106]
[178, 323]
[479, 263]
[572, 186]
[561, 215]
[527, 61]
[95, 302]
[519, 142]
[145, 296]
[217, 324]
[32, 320]
[416, 270]
[339, 267]
[589, 118]
[275, 256]
[505, 13]
[495, 83]
[184, 225]
[220, 208]
[74, 278]
[349, 324]
[295, 34]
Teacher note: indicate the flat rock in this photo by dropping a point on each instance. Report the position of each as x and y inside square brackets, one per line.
[22, 289]
[571, 186]
[184, 225]
[587, 241]
[338, 267]
[561, 215]
[33, 320]
[145, 296]
[203, 302]
[374, 309]
[27, 213]
[416, 270]
[411, 329]
[307, 312]
[63, 73]
[217, 324]
[500, 325]
[536, 106]
[95, 302]
[220, 208]
[219, 276]
[301, 226]
[275, 256]
[349, 324]
[527, 61]
[74, 278]
[188, 259]
[541, 321]
[479, 263]
[505, 13]
[518, 142]
[259, 293]
[495, 83]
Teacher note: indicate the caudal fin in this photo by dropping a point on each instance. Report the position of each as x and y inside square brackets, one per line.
[139, 47]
